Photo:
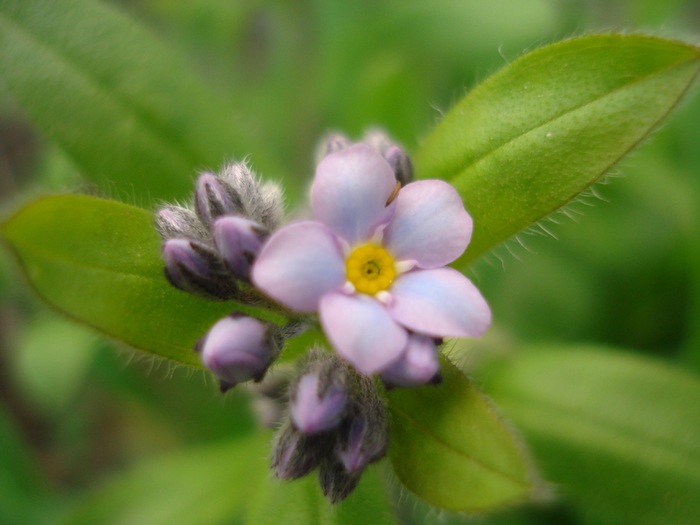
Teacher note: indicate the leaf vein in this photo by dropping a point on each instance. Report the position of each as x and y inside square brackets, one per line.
[459, 452]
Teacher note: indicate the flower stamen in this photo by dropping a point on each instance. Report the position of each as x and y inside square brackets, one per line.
[370, 269]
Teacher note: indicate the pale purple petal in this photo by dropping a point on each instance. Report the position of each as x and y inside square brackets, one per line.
[362, 331]
[418, 364]
[440, 302]
[350, 192]
[299, 264]
[430, 224]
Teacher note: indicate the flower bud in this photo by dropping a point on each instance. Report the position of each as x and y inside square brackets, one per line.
[193, 267]
[331, 143]
[174, 221]
[418, 365]
[213, 198]
[238, 240]
[392, 153]
[238, 349]
[261, 203]
[319, 394]
[364, 436]
[400, 163]
[316, 407]
[295, 454]
[336, 483]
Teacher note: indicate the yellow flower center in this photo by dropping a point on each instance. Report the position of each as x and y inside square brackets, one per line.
[370, 269]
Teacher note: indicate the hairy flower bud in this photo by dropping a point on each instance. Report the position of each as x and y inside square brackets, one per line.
[364, 436]
[392, 153]
[418, 365]
[331, 143]
[238, 240]
[400, 163]
[317, 407]
[295, 454]
[193, 267]
[261, 203]
[336, 483]
[175, 221]
[319, 394]
[214, 197]
[238, 349]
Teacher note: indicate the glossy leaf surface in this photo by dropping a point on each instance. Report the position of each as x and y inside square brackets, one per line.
[536, 134]
[620, 433]
[131, 113]
[451, 448]
[98, 261]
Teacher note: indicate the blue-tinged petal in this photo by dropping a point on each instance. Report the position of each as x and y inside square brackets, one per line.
[362, 331]
[418, 364]
[299, 264]
[350, 192]
[430, 225]
[440, 302]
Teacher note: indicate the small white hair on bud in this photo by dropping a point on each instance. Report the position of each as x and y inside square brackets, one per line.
[175, 221]
[261, 202]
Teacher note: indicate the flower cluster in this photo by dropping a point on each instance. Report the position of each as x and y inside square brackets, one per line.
[372, 265]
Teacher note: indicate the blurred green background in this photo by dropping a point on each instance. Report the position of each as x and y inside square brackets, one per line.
[620, 268]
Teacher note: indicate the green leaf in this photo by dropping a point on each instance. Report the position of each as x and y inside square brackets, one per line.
[451, 448]
[98, 261]
[620, 433]
[301, 502]
[533, 136]
[206, 486]
[126, 107]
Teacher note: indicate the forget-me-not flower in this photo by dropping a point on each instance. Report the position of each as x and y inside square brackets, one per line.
[373, 263]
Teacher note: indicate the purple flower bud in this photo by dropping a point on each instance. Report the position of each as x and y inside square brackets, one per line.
[336, 483]
[418, 365]
[214, 198]
[315, 409]
[392, 153]
[400, 163]
[262, 203]
[174, 221]
[238, 240]
[238, 349]
[363, 445]
[194, 267]
[332, 143]
[295, 454]
[363, 437]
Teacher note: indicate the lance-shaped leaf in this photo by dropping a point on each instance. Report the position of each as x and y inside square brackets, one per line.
[533, 136]
[451, 448]
[98, 261]
[619, 433]
[131, 113]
